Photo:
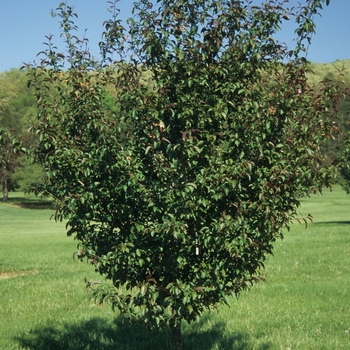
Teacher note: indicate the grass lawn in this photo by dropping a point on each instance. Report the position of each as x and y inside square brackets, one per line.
[305, 303]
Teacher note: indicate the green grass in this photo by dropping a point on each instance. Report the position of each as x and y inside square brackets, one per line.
[303, 305]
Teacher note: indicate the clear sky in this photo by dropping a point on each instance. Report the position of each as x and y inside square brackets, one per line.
[24, 24]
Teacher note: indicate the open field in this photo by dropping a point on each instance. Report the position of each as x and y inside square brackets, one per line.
[305, 303]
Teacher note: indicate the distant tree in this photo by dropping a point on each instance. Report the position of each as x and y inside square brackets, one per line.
[7, 93]
[344, 179]
[334, 146]
[9, 150]
[19, 111]
[17, 114]
[26, 174]
[178, 194]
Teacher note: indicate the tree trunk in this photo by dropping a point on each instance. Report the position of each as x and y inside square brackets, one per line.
[5, 191]
[176, 338]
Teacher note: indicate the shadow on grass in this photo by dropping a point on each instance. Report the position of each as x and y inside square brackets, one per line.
[96, 334]
[31, 202]
[332, 223]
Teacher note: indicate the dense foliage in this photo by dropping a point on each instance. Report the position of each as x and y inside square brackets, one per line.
[177, 195]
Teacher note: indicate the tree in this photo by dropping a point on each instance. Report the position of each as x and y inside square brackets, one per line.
[178, 194]
[15, 101]
[17, 114]
[344, 178]
[26, 174]
[9, 150]
[7, 93]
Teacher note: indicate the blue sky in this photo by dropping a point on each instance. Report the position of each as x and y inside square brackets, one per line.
[24, 24]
